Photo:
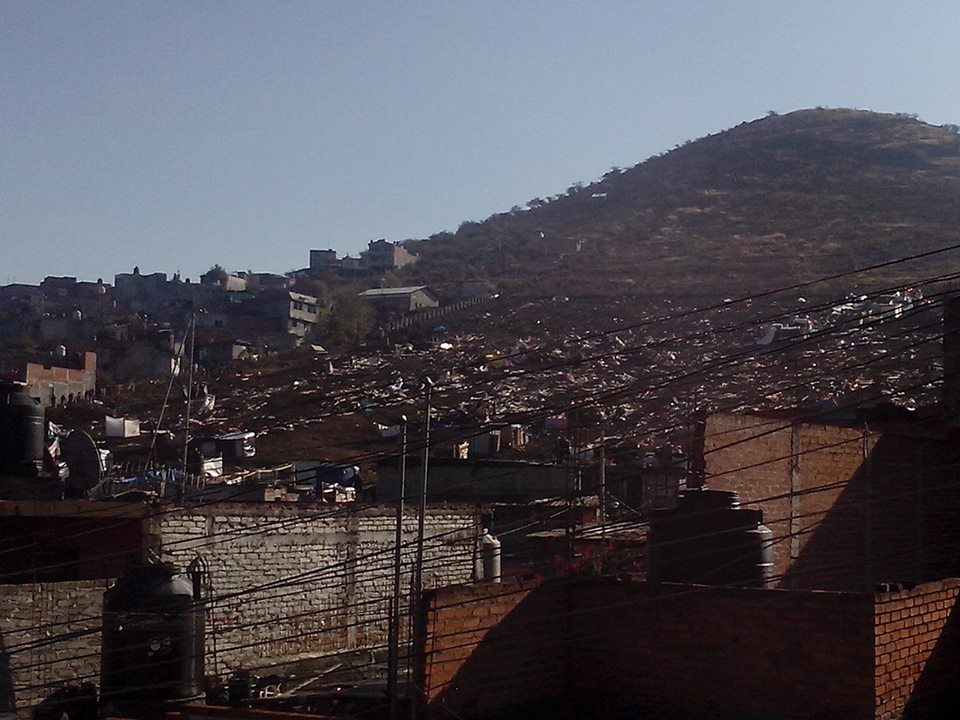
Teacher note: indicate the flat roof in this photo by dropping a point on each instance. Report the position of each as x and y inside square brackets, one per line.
[74, 508]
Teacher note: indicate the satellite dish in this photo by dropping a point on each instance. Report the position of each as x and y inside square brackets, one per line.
[82, 457]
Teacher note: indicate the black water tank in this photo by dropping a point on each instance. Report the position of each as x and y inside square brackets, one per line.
[709, 540]
[153, 643]
[8, 705]
[21, 431]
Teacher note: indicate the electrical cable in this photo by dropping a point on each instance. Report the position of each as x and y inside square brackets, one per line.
[769, 431]
[915, 284]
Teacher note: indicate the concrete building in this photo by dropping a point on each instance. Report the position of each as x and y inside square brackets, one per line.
[134, 290]
[266, 281]
[297, 313]
[21, 298]
[324, 260]
[381, 256]
[164, 300]
[280, 318]
[216, 353]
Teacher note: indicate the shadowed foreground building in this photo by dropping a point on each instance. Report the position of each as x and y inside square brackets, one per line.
[617, 648]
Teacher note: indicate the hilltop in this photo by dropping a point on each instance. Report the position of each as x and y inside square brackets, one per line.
[782, 199]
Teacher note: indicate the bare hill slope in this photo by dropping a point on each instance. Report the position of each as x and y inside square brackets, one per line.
[778, 200]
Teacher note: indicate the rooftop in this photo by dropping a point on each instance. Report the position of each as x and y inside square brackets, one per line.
[383, 292]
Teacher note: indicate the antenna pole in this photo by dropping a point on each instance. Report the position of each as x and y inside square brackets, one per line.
[191, 328]
[603, 483]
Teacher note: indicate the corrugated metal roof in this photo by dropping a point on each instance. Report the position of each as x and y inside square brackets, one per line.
[380, 292]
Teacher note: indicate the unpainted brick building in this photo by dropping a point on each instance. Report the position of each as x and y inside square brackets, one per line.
[56, 384]
[616, 648]
[850, 507]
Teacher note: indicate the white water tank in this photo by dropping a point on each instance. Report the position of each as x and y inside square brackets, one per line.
[490, 557]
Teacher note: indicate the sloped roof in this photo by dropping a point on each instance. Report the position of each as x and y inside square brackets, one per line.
[385, 292]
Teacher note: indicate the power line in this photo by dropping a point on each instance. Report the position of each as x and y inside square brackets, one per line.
[177, 510]
[361, 458]
[822, 488]
[553, 616]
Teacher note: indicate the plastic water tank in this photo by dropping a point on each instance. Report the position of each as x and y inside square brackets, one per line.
[153, 643]
[490, 557]
[21, 431]
[708, 539]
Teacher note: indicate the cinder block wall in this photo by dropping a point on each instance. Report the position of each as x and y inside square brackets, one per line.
[51, 632]
[298, 581]
[291, 581]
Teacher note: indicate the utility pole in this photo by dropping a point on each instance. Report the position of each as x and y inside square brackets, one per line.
[418, 628]
[603, 484]
[393, 652]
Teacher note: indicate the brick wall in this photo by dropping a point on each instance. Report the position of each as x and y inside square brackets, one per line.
[849, 508]
[756, 469]
[831, 546]
[345, 560]
[721, 653]
[917, 648]
[31, 613]
[486, 646]
[51, 383]
[608, 647]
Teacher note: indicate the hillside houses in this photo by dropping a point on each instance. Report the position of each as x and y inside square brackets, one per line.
[381, 256]
[136, 326]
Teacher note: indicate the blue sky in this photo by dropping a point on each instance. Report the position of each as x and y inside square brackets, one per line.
[176, 135]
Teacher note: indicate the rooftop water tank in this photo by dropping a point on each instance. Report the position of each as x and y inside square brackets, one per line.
[708, 539]
[8, 704]
[21, 431]
[153, 643]
[487, 563]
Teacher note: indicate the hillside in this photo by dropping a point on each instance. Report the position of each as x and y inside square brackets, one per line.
[764, 204]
